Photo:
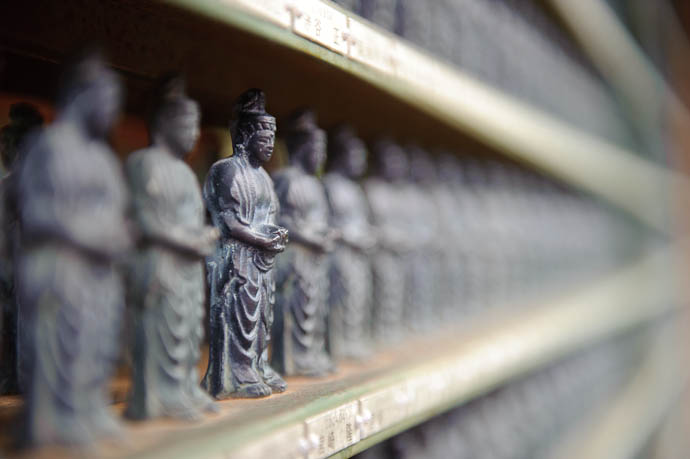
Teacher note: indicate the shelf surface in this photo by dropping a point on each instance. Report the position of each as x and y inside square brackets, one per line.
[343, 40]
[365, 403]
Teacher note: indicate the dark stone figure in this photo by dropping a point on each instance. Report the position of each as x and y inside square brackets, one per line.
[300, 344]
[386, 195]
[351, 285]
[422, 263]
[240, 196]
[452, 231]
[72, 202]
[24, 118]
[381, 12]
[167, 285]
[350, 5]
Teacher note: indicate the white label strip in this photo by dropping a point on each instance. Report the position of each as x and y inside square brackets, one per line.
[372, 48]
[321, 23]
[334, 430]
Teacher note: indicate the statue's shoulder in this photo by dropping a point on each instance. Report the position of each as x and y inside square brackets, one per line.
[141, 162]
[43, 153]
[226, 170]
[338, 182]
[374, 185]
[284, 178]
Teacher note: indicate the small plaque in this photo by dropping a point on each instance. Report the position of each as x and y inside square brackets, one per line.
[383, 409]
[321, 23]
[334, 430]
[371, 47]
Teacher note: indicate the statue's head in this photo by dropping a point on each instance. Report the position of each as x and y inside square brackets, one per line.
[176, 118]
[306, 142]
[91, 94]
[23, 118]
[391, 160]
[347, 152]
[422, 167]
[253, 130]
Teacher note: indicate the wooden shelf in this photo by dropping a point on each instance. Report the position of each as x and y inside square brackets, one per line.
[365, 403]
[514, 128]
[348, 70]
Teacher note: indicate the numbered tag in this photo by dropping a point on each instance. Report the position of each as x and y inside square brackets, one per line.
[334, 430]
[320, 23]
[373, 48]
[383, 409]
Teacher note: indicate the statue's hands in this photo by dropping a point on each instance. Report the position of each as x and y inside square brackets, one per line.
[208, 240]
[276, 243]
[364, 241]
[329, 237]
[118, 243]
[277, 238]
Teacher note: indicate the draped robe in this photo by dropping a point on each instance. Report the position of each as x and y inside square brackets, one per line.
[71, 195]
[166, 289]
[302, 277]
[351, 285]
[240, 277]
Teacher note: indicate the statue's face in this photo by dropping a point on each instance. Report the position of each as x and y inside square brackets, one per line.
[315, 151]
[183, 131]
[395, 165]
[356, 158]
[103, 101]
[449, 169]
[422, 167]
[261, 145]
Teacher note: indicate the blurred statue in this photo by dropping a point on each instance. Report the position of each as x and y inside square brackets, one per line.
[351, 286]
[300, 344]
[381, 12]
[422, 262]
[14, 139]
[72, 202]
[167, 280]
[449, 196]
[243, 205]
[475, 244]
[350, 5]
[386, 195]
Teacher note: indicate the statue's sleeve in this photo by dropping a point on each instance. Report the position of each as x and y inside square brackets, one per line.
[145, 188]
[229, 191]
[40, 191]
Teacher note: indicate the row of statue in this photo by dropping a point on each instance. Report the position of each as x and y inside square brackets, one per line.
[302, 269]
[526, 418]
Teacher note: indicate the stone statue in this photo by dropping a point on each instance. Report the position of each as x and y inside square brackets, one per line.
[449, 196]
[166, 285]
[301, 310]
[14, 139]
[422, 309]
[351, 285]
[240, 196]
[72, 203]
[476, 247]
[386, 195]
